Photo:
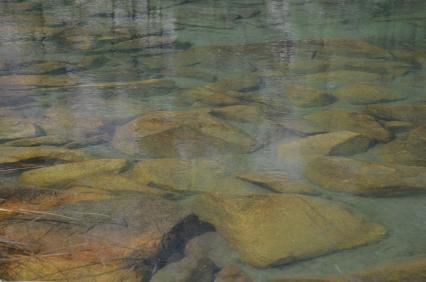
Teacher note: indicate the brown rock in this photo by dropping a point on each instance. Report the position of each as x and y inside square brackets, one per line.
[33, 81]
[270, 230]
[169, 134]
[117, 183]
[49, 140]
[211, 245]
[14, 126]
[305, 96]
[301, 151]
[407, 149]
[188, 269]
[411, 269]
[11, 155]
[242, 113]
[338, 119]
[366, 178]
[398, 126]
[364, 93]
[415, 113]
[277, 181]
[68, 124]
[341, 77]
[63, 174]
[188, 176]
[232, 274]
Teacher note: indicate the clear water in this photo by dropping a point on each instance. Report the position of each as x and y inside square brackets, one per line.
[82, 70]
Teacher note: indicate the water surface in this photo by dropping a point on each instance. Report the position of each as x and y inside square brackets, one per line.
[292, 131]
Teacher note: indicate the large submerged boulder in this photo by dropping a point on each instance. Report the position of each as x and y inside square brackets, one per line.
[268, 230]
[407, 149]
[14, 126]
[366, 178]
[338, 119]
[181, 176]
[365, 93]
[62, 174]
[299, 152]
[184, 134]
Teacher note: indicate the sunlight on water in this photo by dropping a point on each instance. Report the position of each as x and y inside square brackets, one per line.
[242, 140]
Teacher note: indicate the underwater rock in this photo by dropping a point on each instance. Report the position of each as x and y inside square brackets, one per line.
[415, 56]
[69, 124]
[408, 149]
[232, 274]
[415, 113]
[300, 126]
[207, 96]
[44, 67]
[169, 134]
[50, 140]
[240, 113]
[151, 41]
[11, 155]
[62, 174]
[309, 279]
[188, 72]
[117, 183]
[179, 176]
[243, 83]
[143, 85]
[301, 151]
[363, 93]
[398, 126]
[341, 77]
[108, 231]
[277, 181]
[211, 245]
[409, 269]
[350, 47]
[55, 268]
[337, 119]
[34, 81]
[14, 128]
[304, 96]
[16, 98]
[379, 66]
[366, 178]
[13, 125]
[187, 269]
[224, 92]
[268, 230]
[30, 201]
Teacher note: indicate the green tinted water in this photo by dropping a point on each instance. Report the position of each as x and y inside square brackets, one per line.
[219, 89]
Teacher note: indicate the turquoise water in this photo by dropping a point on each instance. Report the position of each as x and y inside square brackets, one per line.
[328, 97]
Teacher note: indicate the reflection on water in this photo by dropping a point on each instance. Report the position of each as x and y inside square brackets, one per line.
[212, 140]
